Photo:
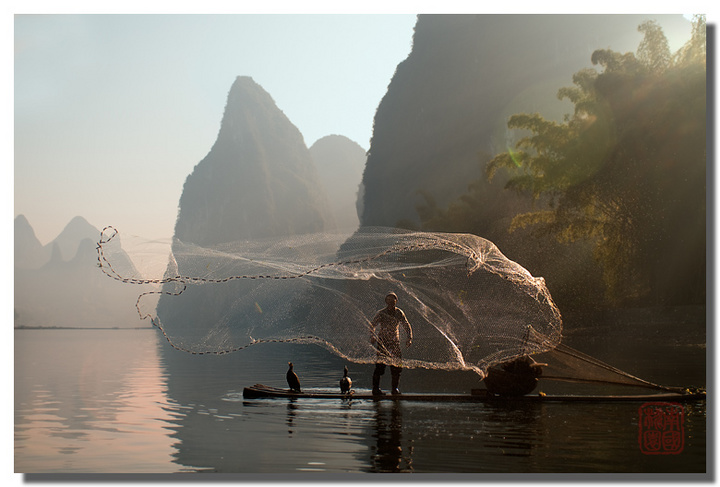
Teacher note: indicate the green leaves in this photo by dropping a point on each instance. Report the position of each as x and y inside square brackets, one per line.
[654, 51]
[625, 171]
[605, 167]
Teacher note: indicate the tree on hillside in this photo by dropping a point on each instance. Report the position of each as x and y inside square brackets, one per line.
[626, 170]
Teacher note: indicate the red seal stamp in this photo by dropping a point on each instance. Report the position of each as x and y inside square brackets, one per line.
[662, 428]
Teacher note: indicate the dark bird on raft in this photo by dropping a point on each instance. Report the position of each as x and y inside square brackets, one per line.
[345, 382]
[292, 379]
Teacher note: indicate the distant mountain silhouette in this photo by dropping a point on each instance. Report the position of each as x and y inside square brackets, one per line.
[445, 112]
[30, 253]
[75, 232]
[258, 180]
[28, 249]
[60, 284]
[340, 163]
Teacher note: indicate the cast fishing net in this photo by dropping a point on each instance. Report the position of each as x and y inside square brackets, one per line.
[469, 306]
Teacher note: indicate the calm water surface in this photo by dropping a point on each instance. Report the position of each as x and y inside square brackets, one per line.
[123, 401]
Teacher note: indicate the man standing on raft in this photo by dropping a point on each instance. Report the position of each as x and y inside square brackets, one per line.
[386, 339]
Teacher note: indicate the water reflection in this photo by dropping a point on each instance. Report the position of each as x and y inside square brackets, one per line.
[514, 429]
[223, 433]
[389, 454]
[87, 401]
[111, 401]
[291, 412]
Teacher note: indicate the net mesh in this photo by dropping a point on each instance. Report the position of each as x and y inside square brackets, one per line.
[569, 365]
[469, 306]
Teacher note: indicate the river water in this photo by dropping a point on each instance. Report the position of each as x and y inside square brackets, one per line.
[123, 401]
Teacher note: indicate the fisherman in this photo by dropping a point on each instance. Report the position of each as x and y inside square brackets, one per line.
[385, 337]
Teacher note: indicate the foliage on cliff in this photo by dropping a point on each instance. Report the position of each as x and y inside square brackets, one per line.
[624, 174]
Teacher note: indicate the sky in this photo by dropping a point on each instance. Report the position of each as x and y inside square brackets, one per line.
[112, 112]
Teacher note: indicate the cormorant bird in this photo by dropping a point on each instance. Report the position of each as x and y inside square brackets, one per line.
[345, 382]
[292, 379]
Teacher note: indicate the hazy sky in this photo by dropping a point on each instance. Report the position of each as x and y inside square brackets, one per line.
[112, 112]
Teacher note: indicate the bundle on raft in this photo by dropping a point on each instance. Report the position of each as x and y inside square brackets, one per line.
[515, 378]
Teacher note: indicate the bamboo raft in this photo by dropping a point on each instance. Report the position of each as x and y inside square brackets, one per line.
[260, 391]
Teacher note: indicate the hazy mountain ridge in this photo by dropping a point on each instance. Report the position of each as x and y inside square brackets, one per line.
[30, 253]
[28, 249]
[340, 163]
[74, 232]
[60, 284]
[258, 180]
